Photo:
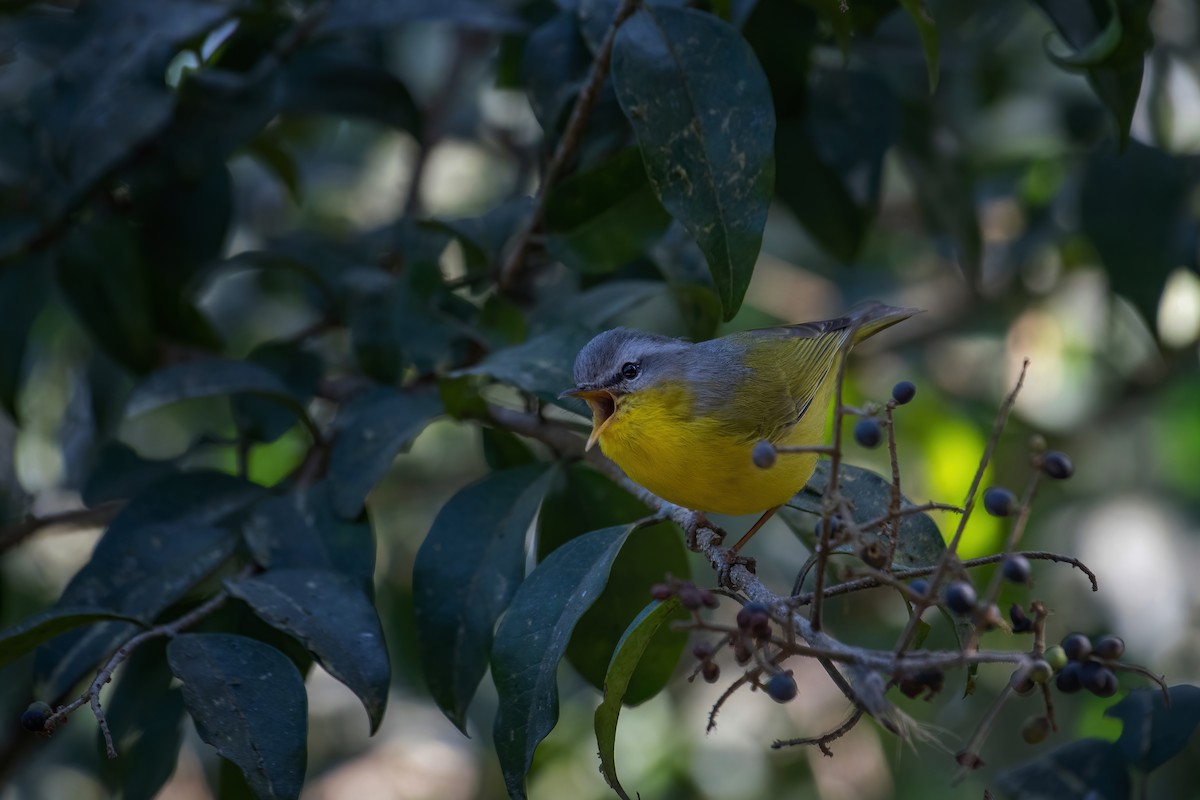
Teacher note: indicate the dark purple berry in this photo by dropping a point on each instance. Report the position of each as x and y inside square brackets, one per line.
[1077, 646]
[752, 615]
[1016, 568]
[1057, 465]
[1110, 647]
[903, 392]
[703, 650]
[710, 672]
[763, 455]
[661, 591]
[690, 597]
[1068, 678]
[920, 586]
[999, 502]
[34, 718]
[781, 687]
[1107, 684]
[1091, 675]
[1021, 623]
[868, 432]
[960, 597]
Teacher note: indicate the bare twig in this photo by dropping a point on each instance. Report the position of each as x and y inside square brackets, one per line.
[824, 739]
[951, 552]
[514, 264]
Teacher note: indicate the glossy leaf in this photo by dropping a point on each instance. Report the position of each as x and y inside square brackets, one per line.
[582, 500]
[32, 631]
[504, 450]
[1087, 767]
[248, 702]
[120, 473]
[332, 617]
[541, 366]
[157, 548]
[352, 15]
[210, 377]
[1154, 732]
[465, 574]
[602, 219]
[263, 417]
[928, 30]
[373, 430]
[532, 639]
[625, 661]
[701, 108]
[145, 715]
[339, 81]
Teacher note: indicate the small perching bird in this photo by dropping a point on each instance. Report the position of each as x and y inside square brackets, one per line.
[682, 418]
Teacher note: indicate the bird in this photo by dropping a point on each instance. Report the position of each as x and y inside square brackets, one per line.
[682, 418]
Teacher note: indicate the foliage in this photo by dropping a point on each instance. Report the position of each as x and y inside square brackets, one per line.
[228, 390]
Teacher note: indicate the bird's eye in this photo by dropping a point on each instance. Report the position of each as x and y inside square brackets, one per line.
[630, 370]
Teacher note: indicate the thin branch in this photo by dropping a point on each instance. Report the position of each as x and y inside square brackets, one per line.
[92, 693]
[74, 520]
[951, 552]
[513, 265]
[824, 739]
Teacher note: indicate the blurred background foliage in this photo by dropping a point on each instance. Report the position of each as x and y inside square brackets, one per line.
[326, 191]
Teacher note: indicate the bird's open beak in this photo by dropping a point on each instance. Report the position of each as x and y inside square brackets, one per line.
[603, 404]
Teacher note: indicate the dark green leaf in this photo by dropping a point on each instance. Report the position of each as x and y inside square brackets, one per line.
[339, 81]
[24, 288]
[120, 473]
[504, 450]
[373, 430]
[1154, 733]
[701, 108]
[351, 15]
[1084, 769]
[272, 153]
[332, 617]
[483, 238]
[602, 219]
[374, 300]
[625, 661]
[101, 275]
[248, 702]
[218, 112]
[263, 418]
[210, 377]
[32, 631]
[929, 38]
[145, 715]
[464, 576]
[300, 529]
[580, 502]
[542, 366]
[554, 62]
[531, 641]
[162, 543]
[920, 543]
[1136, 210]
[595, 309]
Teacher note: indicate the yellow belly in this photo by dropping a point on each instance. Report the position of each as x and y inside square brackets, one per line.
[691, 463]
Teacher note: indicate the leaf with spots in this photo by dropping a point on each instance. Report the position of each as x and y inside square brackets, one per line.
[702, 111]
[248, 702]
[532, 639]
[332, 617]
[465, 575]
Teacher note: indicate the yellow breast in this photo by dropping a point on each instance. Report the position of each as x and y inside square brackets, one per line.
[690, 461]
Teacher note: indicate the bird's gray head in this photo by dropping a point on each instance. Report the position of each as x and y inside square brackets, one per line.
[622, 360]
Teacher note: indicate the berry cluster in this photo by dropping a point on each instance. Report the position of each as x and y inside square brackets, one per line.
[752, 635]
[868, 431]
[1082, 665]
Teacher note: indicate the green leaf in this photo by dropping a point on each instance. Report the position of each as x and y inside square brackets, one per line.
[162, 543]
[101, 275]
[1111, 39]
[372, 431]
[602, 219]
[248, 702]
[120, 473]
[337, 80]
[928, 30]
[24, 288]
[701, 108]
[484, 237]
[542, 366]
[920, 543]
[531, 641]
[145, 715]
[265, 419]
[464, 576]
[209, 377]
[1089, 768]
[371, 15]
[332, 617]
[1135, 208]
[504, 450]
[1154, 733]
[32, 631]
[592, 310]
[625, 661]
[300, 529]
[583, 500]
